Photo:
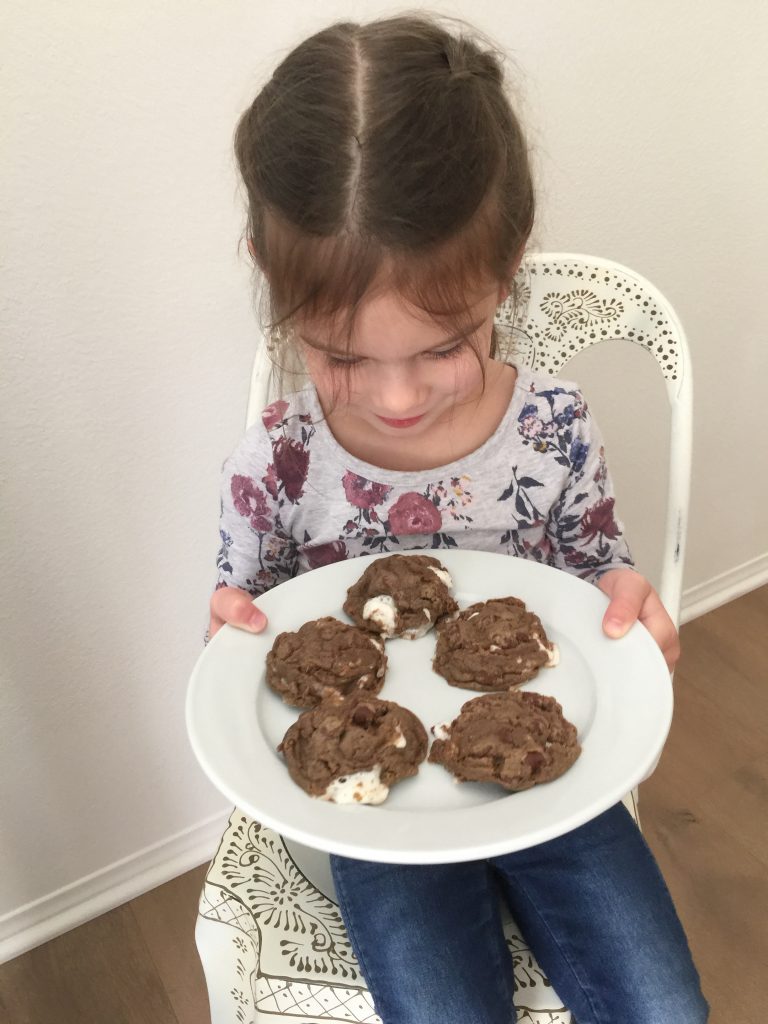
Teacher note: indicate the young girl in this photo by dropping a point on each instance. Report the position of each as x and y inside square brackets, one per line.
[390, 200]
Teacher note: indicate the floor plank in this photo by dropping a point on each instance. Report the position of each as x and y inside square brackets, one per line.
[704, 809]
[99, 973]
[166, 917]
[714, 880]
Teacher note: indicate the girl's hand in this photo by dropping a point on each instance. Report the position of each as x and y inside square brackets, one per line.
[236, 607]
[633, 597]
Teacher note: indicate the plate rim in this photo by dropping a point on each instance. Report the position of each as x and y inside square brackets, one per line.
[469, 850]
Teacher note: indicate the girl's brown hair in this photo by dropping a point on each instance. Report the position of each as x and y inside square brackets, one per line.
[384, 153]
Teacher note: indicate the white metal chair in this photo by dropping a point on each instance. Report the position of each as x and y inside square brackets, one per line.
[269, 933]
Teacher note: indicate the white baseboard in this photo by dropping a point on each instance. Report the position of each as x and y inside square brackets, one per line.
[719, 590]
[37, 922]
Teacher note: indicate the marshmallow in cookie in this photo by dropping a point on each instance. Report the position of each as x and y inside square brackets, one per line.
[353, 749]
[401, 596]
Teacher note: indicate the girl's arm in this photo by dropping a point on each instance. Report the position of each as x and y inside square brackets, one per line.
[588, 540]
[256, 552]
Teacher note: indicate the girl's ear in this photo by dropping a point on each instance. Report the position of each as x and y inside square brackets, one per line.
[255, 256]
[505, 287]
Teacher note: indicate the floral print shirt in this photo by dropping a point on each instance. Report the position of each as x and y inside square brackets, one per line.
[293, 499]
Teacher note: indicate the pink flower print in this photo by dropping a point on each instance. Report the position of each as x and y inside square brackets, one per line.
[325, 554]
[270, 481]
[251, 502]
[600, 520]
[291, 465]
[274, 414]
[531, 426]
[363, 493]
[413, 513]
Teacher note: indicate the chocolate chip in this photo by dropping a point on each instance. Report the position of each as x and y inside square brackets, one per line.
[534, 759]
[363, 715]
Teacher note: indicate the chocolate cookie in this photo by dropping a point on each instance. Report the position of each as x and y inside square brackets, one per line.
[492, 645]
[516, 739]
[322, 658]
[352, 749]
[401, 595]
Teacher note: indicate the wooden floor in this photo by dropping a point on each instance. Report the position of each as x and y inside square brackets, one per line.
[704, 813]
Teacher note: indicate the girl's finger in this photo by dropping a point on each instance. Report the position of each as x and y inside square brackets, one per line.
[627, 592]
[235, 607]
[661, 627]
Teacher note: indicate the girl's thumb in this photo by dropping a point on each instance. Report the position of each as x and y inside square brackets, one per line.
[250, 617]
[236, 607]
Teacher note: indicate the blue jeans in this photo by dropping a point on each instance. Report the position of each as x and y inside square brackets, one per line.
[591, 904]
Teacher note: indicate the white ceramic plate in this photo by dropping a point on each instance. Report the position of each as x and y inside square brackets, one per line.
[617, 693]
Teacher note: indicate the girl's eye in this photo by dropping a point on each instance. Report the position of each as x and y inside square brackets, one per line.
[447, 353]
[337, 361]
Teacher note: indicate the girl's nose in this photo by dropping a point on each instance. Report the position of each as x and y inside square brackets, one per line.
[397, 391]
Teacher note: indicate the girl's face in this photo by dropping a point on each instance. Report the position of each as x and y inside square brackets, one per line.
[405, 375]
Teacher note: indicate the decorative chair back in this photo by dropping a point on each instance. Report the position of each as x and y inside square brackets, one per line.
[565, 303]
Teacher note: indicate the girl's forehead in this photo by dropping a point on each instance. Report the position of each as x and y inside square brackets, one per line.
[384, 314]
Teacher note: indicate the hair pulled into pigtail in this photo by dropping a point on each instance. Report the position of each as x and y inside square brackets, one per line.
[465, 61]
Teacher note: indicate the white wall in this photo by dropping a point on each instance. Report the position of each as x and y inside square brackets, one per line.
[128, 331]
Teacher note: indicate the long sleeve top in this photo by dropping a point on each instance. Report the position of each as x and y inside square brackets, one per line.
[293, 499]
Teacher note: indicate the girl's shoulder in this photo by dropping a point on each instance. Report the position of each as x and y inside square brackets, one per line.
[545, 390]
[540, 381]
[287, 422]
[290, 415]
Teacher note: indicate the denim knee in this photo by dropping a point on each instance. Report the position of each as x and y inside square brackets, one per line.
[598, 916]
[429, 941]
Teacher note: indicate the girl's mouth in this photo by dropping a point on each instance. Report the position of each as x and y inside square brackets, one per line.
[410, 422]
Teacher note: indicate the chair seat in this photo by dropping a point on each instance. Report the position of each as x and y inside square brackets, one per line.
[274, 947]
